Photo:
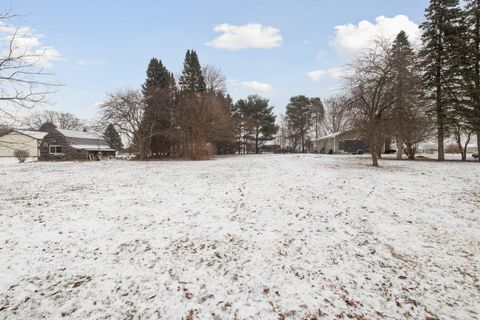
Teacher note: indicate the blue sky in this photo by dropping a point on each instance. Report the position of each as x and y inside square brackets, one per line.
[274, 48]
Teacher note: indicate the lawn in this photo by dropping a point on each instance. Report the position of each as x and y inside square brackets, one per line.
[246, 237]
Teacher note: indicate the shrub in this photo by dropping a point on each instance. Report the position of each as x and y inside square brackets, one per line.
[21, 155]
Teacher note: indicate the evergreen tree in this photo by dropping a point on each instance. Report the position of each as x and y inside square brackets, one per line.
[113, 138]
[192, 79]
[410, 123]
[157, 76]
[441, 43]
[471, 67]
[158, 91]
[318, 114]
[258, 121]
[299, 118]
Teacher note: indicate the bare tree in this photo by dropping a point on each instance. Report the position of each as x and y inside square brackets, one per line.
[61, 120]
[203, 120]
[461, 130]
[125, 108]
[369, 84]
[336, 115]
[23, 80]
[215, 80]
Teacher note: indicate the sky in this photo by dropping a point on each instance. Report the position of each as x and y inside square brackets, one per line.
[277, 49]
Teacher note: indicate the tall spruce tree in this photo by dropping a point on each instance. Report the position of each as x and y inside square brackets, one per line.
[441, 43]
[471, 67]
[410, 123]
[158, 91]
[192, 79]
[113, 138]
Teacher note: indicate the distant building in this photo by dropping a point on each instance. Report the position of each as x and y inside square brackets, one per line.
[431, 146]
[60, 144]
[339, 142]
[13, 139]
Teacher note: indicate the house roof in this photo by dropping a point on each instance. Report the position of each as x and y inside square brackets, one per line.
[38, 135]
[4, 130]
[91, 147]
[33, 134]
[329, 136]
[79, 134]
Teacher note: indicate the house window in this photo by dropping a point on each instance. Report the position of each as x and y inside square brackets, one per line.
[55, 150]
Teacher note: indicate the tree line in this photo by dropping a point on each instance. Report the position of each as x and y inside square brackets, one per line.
[191, 118]
[397, 91]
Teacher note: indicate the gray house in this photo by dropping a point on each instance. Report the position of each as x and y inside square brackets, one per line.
[60, 144]
[340, 142]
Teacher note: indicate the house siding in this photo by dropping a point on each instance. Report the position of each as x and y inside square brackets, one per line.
[12, 141]
[56, 138]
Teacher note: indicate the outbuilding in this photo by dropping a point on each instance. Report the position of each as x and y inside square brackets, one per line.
[25, 140]
[61, 144]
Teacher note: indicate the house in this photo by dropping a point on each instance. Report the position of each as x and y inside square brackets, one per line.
[61, 144]
[339, 142]
[13, 139]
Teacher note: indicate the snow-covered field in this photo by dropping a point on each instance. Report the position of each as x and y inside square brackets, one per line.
[251, 237]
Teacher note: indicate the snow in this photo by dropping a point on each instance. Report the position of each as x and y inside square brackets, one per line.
[79, 134]
[33, 134]
[247, 237]
[332, 135]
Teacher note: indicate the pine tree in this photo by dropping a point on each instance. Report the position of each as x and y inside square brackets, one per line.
[318, 114]
[158, 91]
[258, 121]
[113, 138]
[192, 79]
[299, 117]
[441, 43]
[471, 67]
[410, 123]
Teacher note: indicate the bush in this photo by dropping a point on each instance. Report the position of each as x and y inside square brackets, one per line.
[21, 155]
[452, 148]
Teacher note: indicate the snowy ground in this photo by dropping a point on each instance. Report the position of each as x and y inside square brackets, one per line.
[253, 237]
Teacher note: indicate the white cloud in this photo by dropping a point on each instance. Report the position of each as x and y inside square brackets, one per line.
[246, 36]
[350, 39]
[256, 86]
[27, 42]
[333, 73]
[316, 75]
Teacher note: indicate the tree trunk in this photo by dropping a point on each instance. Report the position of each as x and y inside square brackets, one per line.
[441, 150]
[303, 144]
[374, 153]
[379, 152]
[142, 149]
[399, 148]
[478, 144]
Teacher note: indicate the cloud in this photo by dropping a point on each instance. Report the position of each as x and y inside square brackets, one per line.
[256, 86]
[333, 73]
[245, 36]
[26, 42]
[351, 39]
[91, 62]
